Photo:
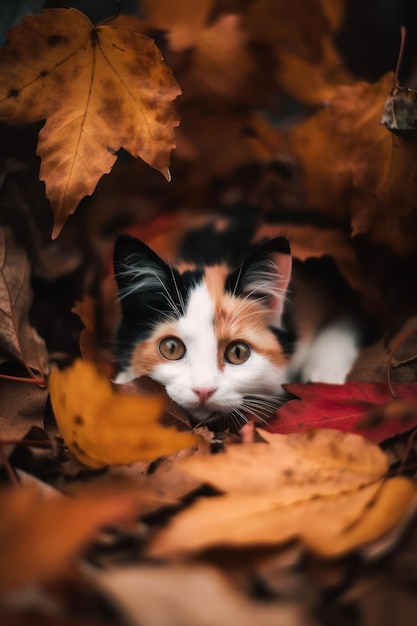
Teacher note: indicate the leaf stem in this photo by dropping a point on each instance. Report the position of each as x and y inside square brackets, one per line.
[116, 14]
[403, 35]
[22, 379]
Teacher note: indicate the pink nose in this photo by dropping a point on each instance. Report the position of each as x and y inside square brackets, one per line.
[204, 393]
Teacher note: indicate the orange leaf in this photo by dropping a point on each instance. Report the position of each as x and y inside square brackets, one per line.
[355, 167]
[102, 427]
[99, 89]
[39, 535]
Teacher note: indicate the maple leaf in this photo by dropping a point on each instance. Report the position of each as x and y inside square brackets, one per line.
[354, 167]
[102, 427]
[355, 407]
[326, 490]
[99, 89]
[18, 339]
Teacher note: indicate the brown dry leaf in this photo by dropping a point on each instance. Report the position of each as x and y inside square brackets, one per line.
[355, 168]
[183, 20]
[40, 536]
[312, 83]
[102, 427]
[86, 309]
[322, 487]
[18, 339]
[297, 27]
[220, 60]
[99, 89]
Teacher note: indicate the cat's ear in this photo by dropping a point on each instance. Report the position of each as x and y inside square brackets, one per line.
[265, 276]
[139, 271]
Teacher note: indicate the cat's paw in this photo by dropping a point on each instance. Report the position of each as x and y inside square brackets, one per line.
[331, 355]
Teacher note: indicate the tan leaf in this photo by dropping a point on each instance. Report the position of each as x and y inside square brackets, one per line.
[99, 89]
[299, 465]
[329, 526]
[18, 339]
[191, 595]
[102, 427]
[322, 487]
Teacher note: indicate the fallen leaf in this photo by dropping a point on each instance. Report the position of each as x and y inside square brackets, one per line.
[329, 526]
[190, 595]
[354, 168]
[90, 348]
[297, 27]
[355, 407]
[183, 20]
[326, 489]
[321, 461]
[102, 427]
[400, 112]
[18, 339]
[99, 89]
[40, 536]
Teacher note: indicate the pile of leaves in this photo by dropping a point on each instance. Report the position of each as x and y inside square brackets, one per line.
[111, 511]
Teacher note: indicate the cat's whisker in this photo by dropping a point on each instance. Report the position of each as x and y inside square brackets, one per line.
[180, 298]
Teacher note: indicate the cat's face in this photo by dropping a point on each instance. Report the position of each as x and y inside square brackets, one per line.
[207, 335]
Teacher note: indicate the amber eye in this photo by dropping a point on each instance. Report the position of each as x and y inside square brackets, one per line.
[172, 348]
[237, 352]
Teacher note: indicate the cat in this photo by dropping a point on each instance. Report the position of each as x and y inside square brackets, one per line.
[222, 340]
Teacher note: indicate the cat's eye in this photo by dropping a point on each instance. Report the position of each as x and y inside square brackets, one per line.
[172, 348]
[237, 352]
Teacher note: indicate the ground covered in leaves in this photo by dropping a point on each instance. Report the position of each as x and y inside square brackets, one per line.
[258, 112]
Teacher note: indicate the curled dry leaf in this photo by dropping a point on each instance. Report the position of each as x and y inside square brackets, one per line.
[99, 89]
[324, 488]
[102, 427]
[18, 339]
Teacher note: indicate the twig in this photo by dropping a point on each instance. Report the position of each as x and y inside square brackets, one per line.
[407, 452]
[8, 468]
[403, 35]
[33, 443]
[22, 379]
[399, 341]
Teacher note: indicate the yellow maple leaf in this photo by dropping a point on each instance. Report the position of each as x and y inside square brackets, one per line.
[102, 427]
[99, 89]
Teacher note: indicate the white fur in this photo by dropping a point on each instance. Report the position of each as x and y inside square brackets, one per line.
[199, 367]
[329, 356]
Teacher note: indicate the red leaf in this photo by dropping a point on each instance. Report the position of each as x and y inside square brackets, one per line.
[358, 407]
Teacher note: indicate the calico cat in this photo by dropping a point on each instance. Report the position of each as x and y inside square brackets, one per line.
[223, 340]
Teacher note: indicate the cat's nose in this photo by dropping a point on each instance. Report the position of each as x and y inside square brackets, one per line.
[204, 393]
